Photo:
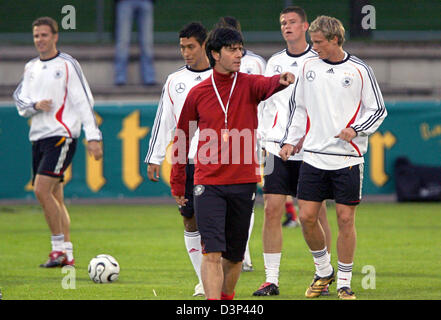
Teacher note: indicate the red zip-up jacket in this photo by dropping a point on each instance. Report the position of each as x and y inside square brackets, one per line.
[220, 162]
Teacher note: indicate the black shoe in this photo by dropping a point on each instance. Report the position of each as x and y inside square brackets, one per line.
[267, 289]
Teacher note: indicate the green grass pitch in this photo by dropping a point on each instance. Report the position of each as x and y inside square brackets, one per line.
[397, 256]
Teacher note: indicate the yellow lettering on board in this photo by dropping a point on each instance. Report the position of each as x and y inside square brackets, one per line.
[378, 143]
[130, 135]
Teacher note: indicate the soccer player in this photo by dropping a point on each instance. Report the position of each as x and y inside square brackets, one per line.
[337, 100]
[55, 95]
[280, 177]
[224, 108]
[192, 39]
[250, 63]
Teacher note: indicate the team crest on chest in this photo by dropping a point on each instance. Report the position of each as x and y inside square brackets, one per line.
[346, 82]
[180, 87]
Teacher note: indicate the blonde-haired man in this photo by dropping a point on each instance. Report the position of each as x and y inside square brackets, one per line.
[337, 99]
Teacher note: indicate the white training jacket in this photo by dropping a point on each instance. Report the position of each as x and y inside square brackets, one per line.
[274, 112]
[61, 80]
[174, 93]
[252, 63]
[327, 98]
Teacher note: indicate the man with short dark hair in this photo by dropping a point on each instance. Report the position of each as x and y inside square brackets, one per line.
[224, 108]
[250, 63]
[192, 39]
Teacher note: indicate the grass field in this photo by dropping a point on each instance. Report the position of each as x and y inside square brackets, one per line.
[400, 242]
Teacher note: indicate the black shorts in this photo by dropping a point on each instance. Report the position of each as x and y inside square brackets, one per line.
[223, 214]
[188, 210]
[343, 185]
[280, 177]
[51, 156]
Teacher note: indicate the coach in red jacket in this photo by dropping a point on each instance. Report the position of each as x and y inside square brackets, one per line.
[224, 109]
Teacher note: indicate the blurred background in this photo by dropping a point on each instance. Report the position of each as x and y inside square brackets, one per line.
[402, 43]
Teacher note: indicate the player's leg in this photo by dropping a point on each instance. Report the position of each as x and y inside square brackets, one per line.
[43, 189]
[315, 238]
[311, 228]
[314, 187]
[323, 220]
[51, 157]
[347, 184]
[247, 264]
[346, 240]
[346, 243]
[275, 189]
[65, 223]
[192, 240]
[274, 205]
[192, 237]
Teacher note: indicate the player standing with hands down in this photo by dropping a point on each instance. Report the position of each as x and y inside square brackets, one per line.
[337, 99]
[192, 39]
[55, 95]
[280, 177]
[224, 108]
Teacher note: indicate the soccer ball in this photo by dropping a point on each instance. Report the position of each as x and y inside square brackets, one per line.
[103, 268]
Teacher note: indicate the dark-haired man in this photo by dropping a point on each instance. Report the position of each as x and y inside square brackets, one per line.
[250, 63]
[192, 39]
[224, 108]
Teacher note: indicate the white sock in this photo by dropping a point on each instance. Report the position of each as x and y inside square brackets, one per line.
[272, 265]
[247, 257]
[322, 261]
[194, 250]
[57, 241]
[344, 275]
[69, 250]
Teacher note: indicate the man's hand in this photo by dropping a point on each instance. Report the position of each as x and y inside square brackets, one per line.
[286, 78]
[286, 151]
[44, 105]
[153, 172]
[347, 134]
[299, 145]
[95, 149]
[180, 200]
